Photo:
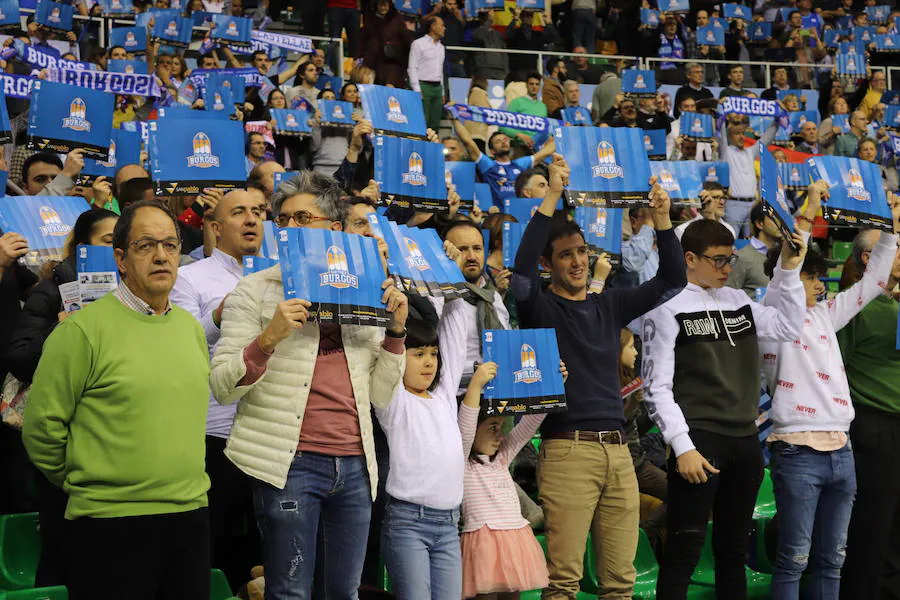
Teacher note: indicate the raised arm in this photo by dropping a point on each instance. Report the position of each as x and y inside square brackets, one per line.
[471, 406]
[466, 138]
[781, 317]
[546, 150]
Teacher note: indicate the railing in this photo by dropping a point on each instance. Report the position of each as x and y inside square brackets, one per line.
[541, 54]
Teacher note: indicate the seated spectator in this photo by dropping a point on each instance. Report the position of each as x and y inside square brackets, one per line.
[712, 207]
[453, 149]
[640, 260]
[523, 141]
[256, 150]
[552, 94]
[868, 151]
[478, 96]
[606, 91]
[693, 88]
[779, 83]
[828, 132]
[809, 139]
[847, 144]
[871, 93]
[490, 65]
[582, 70]
[572, 98]
[735, 85]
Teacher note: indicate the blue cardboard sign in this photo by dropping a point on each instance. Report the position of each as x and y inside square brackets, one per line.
[97, 272]
[709, 35]
[9, 13]
[411, 173]
[697, 126]
[126, 66]
[512, 238]
[483, 196]
[772, 192]
[714, 171]
[116, 8]
[340, 273]
[650, 17]
[173, 31]
[888, 42]
[608, 166]
[55, 16]
[255, 264]
[842, 121]
[528, 380]
[392, 110]
[680, 178]
[408, 7]
[5, 125]
[124, 149]
[856, 194]
[879, 14]
[336, 113]
[218, 80]
[45, 221]
[235, 31]
[279, 178]
[737, 11]
[133, 39]
[892, 117]
[655, 143]
[794, 176]
[461, 174]
[64, 117]
[669, 6]
[474, 7]
[187, 156]
[602, 229]
[291, 121]
[220, 100]
[850, 65]
[577, 116]
[639, 83]
[761, 31]
[522, 209]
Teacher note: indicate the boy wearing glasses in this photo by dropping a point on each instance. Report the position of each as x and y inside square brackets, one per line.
[701, 368]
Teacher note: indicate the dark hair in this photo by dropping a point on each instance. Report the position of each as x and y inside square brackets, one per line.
[757, 214]
[560, 227]
[420, 334]
[40, 157]
[132, 191]
[523, 179]
[84, 227]
[534, 75]
[426, 23]
[122, 232]
[490, 143]
[793, 12]
[813, 264]
[111, 48]
[703, 234]
[263, 52]
[344, 89]
[714, 186]
[458, 224]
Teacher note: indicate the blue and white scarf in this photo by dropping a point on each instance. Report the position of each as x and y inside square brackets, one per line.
[17, 86]
[128, 84]
[41, 59]
[503, 118]
[754, 107]
[294, 43]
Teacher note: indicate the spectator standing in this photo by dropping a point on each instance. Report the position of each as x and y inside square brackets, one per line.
[735, 84]
[872, 97]
[701, 370]
[343, 16]
[426, 69]
[693, 87]
[748, 272]
[828, 131]
[640, 260]
[552, 94]
[585, 475]
[671, 44]
[780, 83]
[712, 208]
[491, 65]
[309, 404]
[312, 16]
[44, 174]
[306, 88]
[127, 377]
[848, 143]
[584, 24]
[521, 35]
[741, 159]
[868, 346]
[454, 26]
[201, 289]
[384, 44]
[607, 89]
[523, 141]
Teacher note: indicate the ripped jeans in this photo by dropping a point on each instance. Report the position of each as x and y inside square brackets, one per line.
[333, 490]
[814, 494]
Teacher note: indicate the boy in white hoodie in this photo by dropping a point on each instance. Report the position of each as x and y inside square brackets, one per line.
[812, 463]
[701, 370]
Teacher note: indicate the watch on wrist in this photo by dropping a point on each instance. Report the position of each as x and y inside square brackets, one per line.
[390, 333]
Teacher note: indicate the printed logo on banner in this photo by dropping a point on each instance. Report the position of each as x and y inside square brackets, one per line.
[607, 168]
[77, 120]
[529, 373]
[130, 40]
[416, 175]
[395, 113]
[415, 259]
[710, 36]
[291, 120]
[53, 225]
[795, 175]
[668, 182]
[639, 82]
[856, 187]
[338, 112]
[202, 157]
[598, 226]
[172, 29]
[232, 28]
[697, 127]
[338, 274]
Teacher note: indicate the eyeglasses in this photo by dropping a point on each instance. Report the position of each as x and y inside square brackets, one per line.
[720, 261]
[301, 217]
[144, 246]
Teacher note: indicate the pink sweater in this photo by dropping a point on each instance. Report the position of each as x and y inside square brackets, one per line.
[489, 494]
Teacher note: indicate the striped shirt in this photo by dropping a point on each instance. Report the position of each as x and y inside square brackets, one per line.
[128, 298]
[489, 494]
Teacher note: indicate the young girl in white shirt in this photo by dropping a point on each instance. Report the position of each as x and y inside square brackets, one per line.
[501, 556]
[420, 536]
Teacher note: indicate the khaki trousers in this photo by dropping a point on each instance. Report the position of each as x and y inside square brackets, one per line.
[588, 486]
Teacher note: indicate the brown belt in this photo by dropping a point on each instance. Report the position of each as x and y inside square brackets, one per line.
[603, 437]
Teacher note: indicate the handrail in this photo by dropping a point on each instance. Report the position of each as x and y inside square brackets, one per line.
[541, 53]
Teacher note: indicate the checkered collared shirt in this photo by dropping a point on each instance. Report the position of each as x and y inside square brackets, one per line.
[127, 297]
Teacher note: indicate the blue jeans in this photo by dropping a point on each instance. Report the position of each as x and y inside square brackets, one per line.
[814, 494]
[421, 551]
[333, 489]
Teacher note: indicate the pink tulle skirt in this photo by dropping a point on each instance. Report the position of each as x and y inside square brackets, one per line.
[502, 560]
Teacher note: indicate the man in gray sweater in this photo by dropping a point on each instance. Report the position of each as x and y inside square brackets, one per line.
[747, 273]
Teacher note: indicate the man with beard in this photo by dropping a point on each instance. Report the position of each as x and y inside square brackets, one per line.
[500, 172]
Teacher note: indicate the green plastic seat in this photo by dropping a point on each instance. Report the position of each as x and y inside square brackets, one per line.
[758, 584]
[218, 586]
[647, 569]
[841, 250]
[765, 498]
[47, 593]
[20, 549]
[760, 560]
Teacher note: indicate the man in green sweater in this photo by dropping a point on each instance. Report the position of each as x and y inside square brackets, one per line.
[117, 416]
[523, 141]
[872, 361]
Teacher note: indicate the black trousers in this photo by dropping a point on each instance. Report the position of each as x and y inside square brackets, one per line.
[234, 541]
[730, 496]
[51, 503]
[154, 557]
[872, 567]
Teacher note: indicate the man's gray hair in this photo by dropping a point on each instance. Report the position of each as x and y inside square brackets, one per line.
[692, 65]
[863, 242]
[326, 190]
[570, 83]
